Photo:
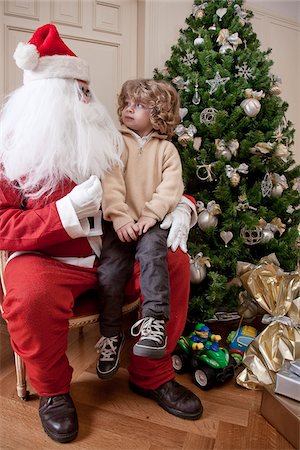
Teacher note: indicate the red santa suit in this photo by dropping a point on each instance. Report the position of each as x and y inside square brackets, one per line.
[52, 263]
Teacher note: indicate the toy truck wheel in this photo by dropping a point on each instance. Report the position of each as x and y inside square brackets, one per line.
[179, 363]
[204, 378]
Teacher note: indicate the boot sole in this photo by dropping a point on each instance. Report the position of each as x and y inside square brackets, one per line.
[148, 393]
[60, 438]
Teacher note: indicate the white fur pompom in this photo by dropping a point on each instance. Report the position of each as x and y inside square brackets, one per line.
[26, 56]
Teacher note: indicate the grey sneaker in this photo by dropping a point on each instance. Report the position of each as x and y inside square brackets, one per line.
[153, 340]
[110, 350]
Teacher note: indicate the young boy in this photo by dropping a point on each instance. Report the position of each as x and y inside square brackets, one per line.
[136, 198]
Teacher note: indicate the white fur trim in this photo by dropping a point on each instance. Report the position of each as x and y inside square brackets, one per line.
[58, 66]
[194, 215]
[26, 56]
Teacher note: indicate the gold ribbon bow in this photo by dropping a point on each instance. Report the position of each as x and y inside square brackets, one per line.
[228, 41]
[277, 292]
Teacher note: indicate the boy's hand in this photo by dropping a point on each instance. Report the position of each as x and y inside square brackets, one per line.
[144, 223]
[128, 232]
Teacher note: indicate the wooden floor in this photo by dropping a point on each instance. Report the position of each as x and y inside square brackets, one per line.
[111, 417]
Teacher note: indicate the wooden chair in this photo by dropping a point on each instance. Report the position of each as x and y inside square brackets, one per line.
[86, 311]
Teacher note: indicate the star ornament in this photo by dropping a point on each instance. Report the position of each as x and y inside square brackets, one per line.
[216, 82]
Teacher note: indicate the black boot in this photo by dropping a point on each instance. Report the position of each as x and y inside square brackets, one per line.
[59, 417]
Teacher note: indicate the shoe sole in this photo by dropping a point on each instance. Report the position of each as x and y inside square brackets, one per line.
[60, 438]
[114, 370]
[149, 394]
[147, 352]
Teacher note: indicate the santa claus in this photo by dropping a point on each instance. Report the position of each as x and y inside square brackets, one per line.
[56, 142]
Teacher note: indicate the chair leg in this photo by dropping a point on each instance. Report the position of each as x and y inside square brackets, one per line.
[21, 377]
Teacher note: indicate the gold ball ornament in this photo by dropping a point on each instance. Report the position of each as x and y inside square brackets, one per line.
[275, 90]
[251, 106]
[184, 139]
[197, 272]
[206, 220]
[199, 14]
[235, 179]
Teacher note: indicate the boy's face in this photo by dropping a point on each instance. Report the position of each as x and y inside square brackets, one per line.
[136, 116]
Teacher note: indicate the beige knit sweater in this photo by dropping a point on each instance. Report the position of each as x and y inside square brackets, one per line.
[150, 183]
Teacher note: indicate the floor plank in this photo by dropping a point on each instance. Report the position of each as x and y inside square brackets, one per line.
[111, 417]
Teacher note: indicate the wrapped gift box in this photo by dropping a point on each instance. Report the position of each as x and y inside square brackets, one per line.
[295, 367]
[283, 414]
[288, 384]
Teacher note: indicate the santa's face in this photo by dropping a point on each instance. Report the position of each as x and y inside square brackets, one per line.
[84, 94]
[52, 129]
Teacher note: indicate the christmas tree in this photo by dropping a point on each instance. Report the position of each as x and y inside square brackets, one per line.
[235, 145]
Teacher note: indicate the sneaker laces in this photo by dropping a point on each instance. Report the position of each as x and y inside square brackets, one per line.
[149, 328]
[107, 347]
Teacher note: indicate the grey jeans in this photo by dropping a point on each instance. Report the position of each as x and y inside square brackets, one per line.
[116, 268]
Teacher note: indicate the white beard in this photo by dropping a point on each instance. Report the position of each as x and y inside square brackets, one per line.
[47, 135]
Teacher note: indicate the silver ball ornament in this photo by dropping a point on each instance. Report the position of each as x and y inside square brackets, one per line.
[277, 191]
[197, 272]
[198, 41]
[206, 220]
[251, 106]
[266, 236]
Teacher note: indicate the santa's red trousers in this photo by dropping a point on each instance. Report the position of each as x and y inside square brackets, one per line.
[38, 304]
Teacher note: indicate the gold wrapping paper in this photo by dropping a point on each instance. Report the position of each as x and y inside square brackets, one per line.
[278, 293]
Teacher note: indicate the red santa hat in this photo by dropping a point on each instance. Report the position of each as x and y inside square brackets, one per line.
[47, 56]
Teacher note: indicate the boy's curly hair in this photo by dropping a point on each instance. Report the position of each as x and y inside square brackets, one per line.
[159, 96]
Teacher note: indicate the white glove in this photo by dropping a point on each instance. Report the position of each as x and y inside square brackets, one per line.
[179, 220]
[86, 197]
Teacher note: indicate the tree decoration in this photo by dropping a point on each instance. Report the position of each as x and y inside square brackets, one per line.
[233, 173]
[251, 104]
[282, 152]
[198, 10]
[267, 185]
[199, 40]
[196, 98]
[183, 112]
[208, 116]
[269, 229]
[221, 12]
[216, 82]
[241, 14]
[262, 148]
[185, 135]
[204, 172]
[256, 134]
[296, 184]
[189, 59]
[198, 266]
[226, 150]
[243, 204]
[228, 41]
[197, 143]
[208, 216]
[279, 184]
[226, 236]
[244, 71]
[180, 83]
[251, 236]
